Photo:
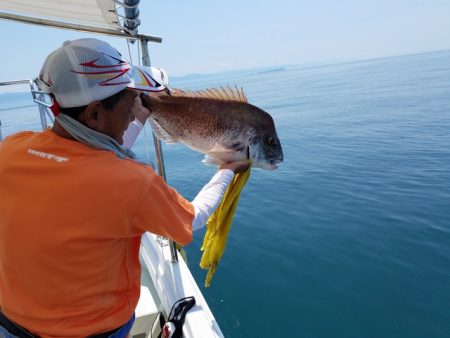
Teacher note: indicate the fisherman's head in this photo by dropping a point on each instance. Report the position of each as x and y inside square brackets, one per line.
[91, 82]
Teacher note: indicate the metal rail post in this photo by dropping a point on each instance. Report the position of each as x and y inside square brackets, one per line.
[158, 148]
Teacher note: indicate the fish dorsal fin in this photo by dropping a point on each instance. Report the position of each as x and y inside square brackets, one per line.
[224, 94]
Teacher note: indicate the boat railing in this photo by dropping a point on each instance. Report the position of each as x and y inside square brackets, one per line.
[38, 97]
[43, 106]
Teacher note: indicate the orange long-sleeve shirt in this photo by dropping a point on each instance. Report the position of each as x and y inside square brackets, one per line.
[71, 219]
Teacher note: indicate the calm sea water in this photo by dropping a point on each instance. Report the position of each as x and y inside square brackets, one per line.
[350, 237]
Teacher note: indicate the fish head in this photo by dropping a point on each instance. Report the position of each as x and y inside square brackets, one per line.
[265, 150]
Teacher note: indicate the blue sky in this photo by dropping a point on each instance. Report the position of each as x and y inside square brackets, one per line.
[211, 36]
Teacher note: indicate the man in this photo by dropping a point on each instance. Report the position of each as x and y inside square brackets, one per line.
[74, 203]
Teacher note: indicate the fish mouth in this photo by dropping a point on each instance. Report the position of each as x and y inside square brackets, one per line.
[269, 164]
[275, 161]
[265, 165]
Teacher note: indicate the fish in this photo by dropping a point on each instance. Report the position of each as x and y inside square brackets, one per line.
[218, 122]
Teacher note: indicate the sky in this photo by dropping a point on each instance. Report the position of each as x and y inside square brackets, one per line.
[202, 36]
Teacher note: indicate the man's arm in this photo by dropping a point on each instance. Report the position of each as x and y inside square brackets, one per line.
[208, 199]
[134, 128]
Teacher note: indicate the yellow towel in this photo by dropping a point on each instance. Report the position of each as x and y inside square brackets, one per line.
[219, 225]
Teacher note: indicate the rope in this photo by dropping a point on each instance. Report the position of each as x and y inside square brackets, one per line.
[146, 147]
[129, 51]
[146, 144]
[139, 53]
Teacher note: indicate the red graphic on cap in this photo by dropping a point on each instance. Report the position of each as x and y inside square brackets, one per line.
[102, 71]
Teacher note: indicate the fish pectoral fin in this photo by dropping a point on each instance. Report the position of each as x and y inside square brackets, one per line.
[218, 157]
[223, 156]
[220, 153]
[160, 132]
[220, 148]
[209, 160]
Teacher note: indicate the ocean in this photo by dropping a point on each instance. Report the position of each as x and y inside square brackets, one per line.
[350, 236]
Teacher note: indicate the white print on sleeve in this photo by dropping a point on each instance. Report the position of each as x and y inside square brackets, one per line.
[47, 156]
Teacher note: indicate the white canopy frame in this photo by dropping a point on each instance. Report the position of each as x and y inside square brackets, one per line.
[108, 17]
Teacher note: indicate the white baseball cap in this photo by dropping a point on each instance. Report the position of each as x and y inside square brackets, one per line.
[86, 70]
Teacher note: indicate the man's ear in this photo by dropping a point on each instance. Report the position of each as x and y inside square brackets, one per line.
[90, 116]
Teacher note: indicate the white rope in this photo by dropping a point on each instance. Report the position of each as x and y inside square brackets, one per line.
[146, 142]
[129, 51]
[139, 54]
[147, 150]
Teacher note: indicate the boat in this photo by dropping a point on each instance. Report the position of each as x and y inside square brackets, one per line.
[166, 277]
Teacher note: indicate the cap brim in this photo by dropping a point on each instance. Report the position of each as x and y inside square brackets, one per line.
[148, 79]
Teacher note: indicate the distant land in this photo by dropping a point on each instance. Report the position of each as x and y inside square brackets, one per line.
[280, 69]
[244, 71]
[275, 68]
[249, 71]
